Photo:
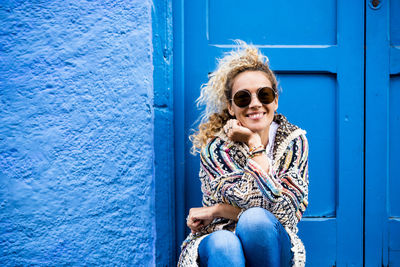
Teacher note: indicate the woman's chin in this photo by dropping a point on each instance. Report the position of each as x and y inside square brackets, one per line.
[255, 126]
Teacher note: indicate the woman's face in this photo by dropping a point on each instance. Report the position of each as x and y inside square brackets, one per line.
[256, 116]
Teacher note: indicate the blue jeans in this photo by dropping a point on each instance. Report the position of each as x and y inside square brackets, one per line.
[260, 240]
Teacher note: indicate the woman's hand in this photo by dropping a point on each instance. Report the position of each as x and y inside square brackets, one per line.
[237, 132]
[199, 218]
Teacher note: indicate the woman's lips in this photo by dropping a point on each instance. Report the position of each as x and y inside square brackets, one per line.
[255, 116]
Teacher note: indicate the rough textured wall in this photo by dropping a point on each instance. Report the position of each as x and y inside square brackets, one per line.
[76, 133]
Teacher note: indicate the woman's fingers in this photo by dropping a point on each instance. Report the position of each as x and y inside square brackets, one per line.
[196, 223]
[231, 127]
[198, 218]
[196, 226]
[228, 126]
[236, 131]
[192, 223]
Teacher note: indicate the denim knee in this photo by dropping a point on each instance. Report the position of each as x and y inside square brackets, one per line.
[221, 248]
[259, 230]
[257, 219]
[222, 242]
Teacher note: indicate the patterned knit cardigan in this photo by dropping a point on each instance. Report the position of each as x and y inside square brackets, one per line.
[228, 176]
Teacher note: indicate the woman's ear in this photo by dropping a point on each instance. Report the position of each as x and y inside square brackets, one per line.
[276, 100]
[230, 110]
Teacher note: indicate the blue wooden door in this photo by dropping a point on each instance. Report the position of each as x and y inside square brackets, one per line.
[382, 176]
[317, 50]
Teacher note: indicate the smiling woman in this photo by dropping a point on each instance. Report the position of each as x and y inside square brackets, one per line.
[256, 115]
[254, 171]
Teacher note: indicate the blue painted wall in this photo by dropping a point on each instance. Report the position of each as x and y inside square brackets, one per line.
[163, 134]
[76, 133]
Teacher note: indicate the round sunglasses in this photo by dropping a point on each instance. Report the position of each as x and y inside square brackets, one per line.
[265, 95]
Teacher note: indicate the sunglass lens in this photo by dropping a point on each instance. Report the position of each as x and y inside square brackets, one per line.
[242, 98]
[266, 95]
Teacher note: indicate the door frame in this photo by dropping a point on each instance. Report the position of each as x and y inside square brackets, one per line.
[349, 117]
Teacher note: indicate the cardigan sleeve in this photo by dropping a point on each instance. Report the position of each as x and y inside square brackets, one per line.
[288, 188]
[283, 191]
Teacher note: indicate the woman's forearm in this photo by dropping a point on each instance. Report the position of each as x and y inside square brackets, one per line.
[227, 211]
[261, 158]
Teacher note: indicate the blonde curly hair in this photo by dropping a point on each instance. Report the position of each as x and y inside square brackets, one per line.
[217, 92]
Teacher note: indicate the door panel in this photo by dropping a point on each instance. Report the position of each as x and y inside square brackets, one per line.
[310, 100]
[285, 23]
[316, 49]
[394, 133]
[382, 178]
[394, 175]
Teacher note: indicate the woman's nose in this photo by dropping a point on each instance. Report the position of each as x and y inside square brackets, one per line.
[254, 101]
